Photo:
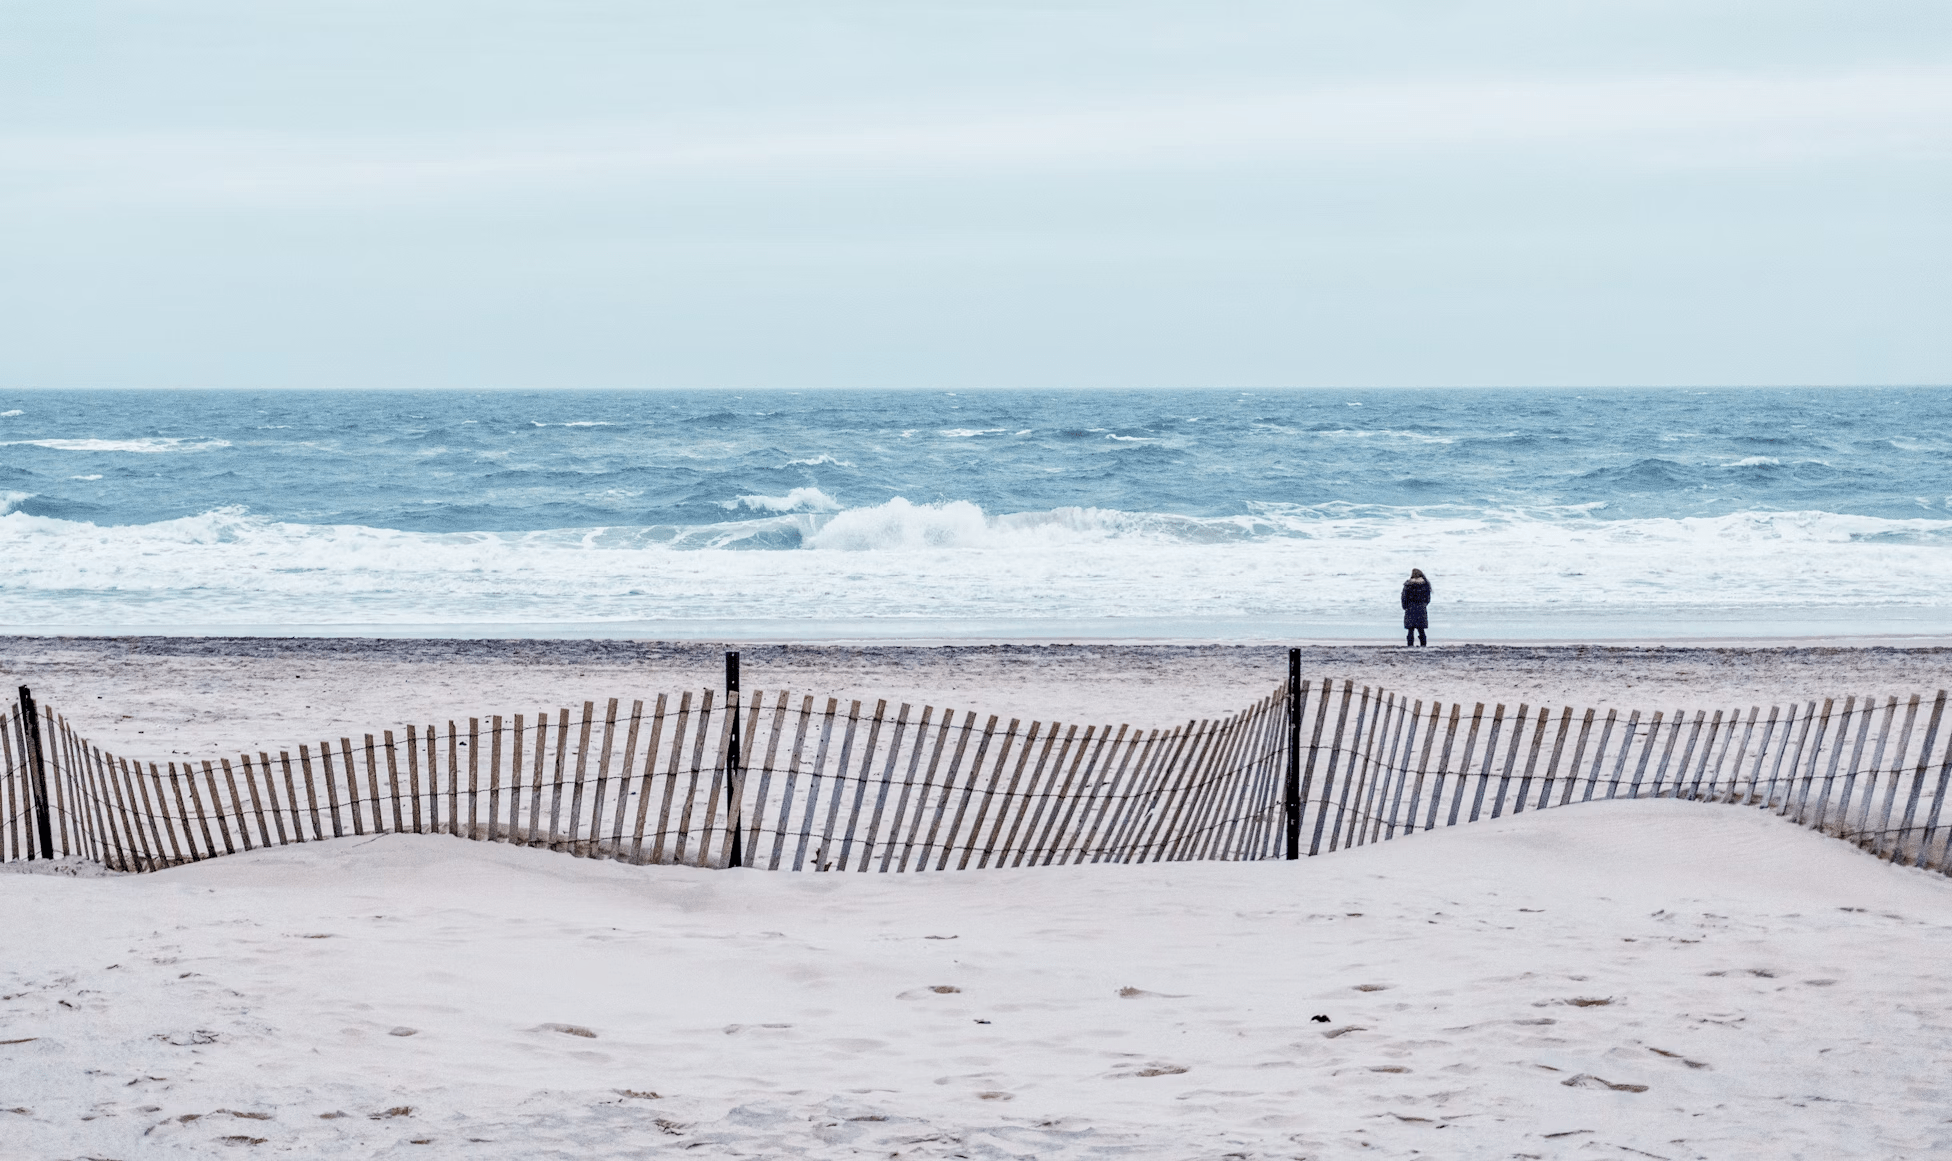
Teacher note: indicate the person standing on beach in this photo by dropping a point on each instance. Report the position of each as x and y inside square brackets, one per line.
[1416, 609]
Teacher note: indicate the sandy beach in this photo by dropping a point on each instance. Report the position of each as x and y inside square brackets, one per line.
[163, 696]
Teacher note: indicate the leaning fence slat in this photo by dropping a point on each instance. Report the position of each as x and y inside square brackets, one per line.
[1924, 857]
[1082, 812]
[1148, 791]
[943, 729]
[1896, 771]
[942, 797]
[837, 791]
[1214, 784]
[1464, 764]
[1543, 720]
[1016, 804]
[1361, 747]
[1376, 800]
[1797, 793]
[1118, 796]
[810, 812]
[955, 831]
[1490, 759]
[582, 770]
[1552, 764]
[1918, 778]
[1851, 718]
[766, 769]
[885, 783]
[1846, 830]
[908, 787]
[1647, 748]
[646, 783]
[1403, 768]
[780, 830]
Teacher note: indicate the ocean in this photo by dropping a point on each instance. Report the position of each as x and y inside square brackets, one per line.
[1220, 515]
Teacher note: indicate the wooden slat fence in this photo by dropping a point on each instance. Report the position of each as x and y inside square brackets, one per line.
[823, 786]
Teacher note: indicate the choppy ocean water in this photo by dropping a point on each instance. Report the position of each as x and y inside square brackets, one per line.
[1207, 514]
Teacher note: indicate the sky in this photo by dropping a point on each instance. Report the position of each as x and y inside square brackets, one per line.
[736, 194]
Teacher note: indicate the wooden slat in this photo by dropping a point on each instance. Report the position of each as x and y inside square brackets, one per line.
[1037, 797]
[713, 774]
[1540, 723]
[1253, 795]
[991, 798]
[143, 821]
[1063, 800]
[1552, 764]
[1918, 779]
[1489, 761]
[1328, 778]
[1359, 748]
[647, 784]
[830, 860]
[1881, 834]
[1647, 750]
[1088, 808]
[236, 805]
[701, 730]
[1375, 794]
[809, 814]
[1798, 789]
[804, 719]
[1185, 784]
[271, 796]
[413, 775]
[908, 787]
[1925, 858]
[887, 783]
[1851, 718]
[1790, 754]
[1386, 831]
[1443, 764]
[955, 830]
[1016, 803]
[1147, 785]
[1205, 787]
[755, 855]
[1625, 752]
[1844, 828]
[128, 842]
[171, 825]
[558, 772]
[944, 728]
[217, 808]
[1687, 754]
[331, 792]
[538, 764]
[582, 771]
[1464, 763]
[1103, 841]
[625, 777]
[193, 808]
[1171, 770]
[947, 794]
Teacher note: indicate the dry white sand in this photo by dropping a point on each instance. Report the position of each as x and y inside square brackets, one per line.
[163, 696]
[1624, 979]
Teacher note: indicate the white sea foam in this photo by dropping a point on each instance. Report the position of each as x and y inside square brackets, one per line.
[816, 461]
[797, 500]
[12, 500]
[96, 476]
[967, 432]
[952, 563]
[1756, 462]
[11, 414]
[1379, 433]
[141, 446]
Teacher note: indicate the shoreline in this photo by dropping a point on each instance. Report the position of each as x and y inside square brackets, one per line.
[157, 697]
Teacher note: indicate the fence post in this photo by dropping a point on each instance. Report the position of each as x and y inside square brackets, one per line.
[732, 819]
[30, 716]
[1292, 794]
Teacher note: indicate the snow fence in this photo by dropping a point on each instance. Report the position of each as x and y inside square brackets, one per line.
[790, 783]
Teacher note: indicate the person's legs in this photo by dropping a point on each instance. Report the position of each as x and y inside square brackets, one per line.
[1409, 638]
[1423, 638]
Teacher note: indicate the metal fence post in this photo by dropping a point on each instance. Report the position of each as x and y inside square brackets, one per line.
[30, 720]
[1292, 796]
[732, 815]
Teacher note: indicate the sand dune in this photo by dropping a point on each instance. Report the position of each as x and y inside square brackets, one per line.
[1627, 978]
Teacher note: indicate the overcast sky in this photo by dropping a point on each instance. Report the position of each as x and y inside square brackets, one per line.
[833, 193]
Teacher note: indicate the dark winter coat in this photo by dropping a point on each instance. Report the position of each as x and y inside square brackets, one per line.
[1416, 604]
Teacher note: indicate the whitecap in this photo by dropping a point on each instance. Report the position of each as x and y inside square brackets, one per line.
[11, 414]
[797, 500]
[97, 476]
[142, 446]
[816, 461]
[968, 432]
